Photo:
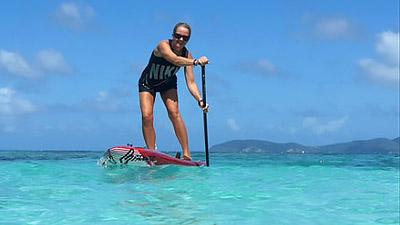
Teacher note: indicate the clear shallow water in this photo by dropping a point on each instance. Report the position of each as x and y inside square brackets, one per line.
[70, 188]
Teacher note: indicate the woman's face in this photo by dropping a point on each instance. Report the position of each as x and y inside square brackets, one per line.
[180, 38]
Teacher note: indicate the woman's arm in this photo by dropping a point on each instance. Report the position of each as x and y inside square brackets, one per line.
[191, 84]
[163, 49]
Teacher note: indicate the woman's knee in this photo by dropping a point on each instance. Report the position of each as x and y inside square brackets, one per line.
[147, 118]
[174, 115]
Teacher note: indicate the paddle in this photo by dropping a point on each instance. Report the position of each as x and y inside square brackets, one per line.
[203, 82]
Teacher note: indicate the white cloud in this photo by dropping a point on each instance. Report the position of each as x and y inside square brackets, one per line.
[388, 46]
[9, 128]
[11, 105]
[387, 71]
[16, 64]
[292, 130]
[52, 61]
[265, 65]
[379, 72]
[320, 128]
[75, 16]
[46, 61]
[103, 96]
[333, 28]
[104, 102]
[233, 124]
[261, 66]
[11, 108]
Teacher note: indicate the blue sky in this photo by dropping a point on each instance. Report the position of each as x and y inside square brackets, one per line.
[312, 72]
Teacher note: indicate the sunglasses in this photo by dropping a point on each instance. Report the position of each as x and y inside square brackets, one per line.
[179, 36]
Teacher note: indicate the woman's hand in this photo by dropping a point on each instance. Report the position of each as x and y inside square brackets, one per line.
[201, 61]
[202, 106]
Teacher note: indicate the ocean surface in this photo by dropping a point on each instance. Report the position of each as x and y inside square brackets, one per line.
[40, 187]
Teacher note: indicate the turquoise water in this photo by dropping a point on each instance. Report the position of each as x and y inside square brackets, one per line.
[70, 188]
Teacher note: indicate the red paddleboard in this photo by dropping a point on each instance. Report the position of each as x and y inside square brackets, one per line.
[130, 155]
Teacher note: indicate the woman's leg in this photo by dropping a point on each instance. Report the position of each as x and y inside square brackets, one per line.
[146, 107]
[170, 98]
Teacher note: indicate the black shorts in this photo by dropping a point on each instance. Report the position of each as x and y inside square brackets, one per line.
[170, 84]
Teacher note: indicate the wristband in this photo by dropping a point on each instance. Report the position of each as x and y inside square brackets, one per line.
[194, 62]
[199, 102]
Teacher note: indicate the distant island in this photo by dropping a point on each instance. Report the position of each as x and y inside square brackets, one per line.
[374, 146]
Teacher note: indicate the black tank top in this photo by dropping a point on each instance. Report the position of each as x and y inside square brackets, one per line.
[159, 71]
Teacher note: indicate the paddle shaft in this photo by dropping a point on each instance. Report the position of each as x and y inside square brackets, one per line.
[203, 82]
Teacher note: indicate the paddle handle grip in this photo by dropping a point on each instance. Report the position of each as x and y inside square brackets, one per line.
[203, 84]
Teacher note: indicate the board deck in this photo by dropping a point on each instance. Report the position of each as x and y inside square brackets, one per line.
[131, 155]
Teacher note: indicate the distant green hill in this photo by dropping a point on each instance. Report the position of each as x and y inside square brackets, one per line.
[374, 146]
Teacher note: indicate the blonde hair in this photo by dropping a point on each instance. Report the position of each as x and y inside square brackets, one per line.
[185, 25]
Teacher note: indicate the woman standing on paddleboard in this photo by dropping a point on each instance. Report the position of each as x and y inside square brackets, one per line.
[160, 76]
